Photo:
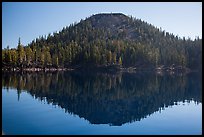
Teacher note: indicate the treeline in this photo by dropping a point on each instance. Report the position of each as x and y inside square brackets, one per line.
[104, 40]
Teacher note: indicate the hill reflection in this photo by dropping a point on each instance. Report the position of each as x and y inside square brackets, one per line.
[104, 98]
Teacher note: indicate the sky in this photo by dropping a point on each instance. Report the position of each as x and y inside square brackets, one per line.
[29, 20]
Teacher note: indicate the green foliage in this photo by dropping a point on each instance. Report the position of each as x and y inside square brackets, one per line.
[29, 55]
[47, 56]
[14, 57]
[21, 54]
[55, 60]
[106, 40]
[42, 58]
[120, 61]
[109, 57]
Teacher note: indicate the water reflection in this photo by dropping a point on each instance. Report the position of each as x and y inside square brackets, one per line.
[104, 98]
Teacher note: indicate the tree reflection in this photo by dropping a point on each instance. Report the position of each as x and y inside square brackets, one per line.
[104, 98]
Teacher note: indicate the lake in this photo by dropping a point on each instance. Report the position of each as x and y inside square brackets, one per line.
[75, 103]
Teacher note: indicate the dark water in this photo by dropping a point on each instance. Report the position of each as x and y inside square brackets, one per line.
[101, 103]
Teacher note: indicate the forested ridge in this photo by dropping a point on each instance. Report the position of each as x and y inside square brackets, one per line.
[104, 40]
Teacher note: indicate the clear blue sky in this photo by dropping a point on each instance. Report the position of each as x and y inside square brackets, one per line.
[30, 20]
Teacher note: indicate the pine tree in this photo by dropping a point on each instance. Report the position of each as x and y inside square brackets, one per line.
[109, 57]
[120, 61]
[21, 53]
[29, 55]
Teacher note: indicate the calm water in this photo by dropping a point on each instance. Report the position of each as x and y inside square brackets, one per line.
[101, 103]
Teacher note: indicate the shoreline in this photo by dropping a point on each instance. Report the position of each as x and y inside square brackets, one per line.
[105, 69]
[160, 69]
